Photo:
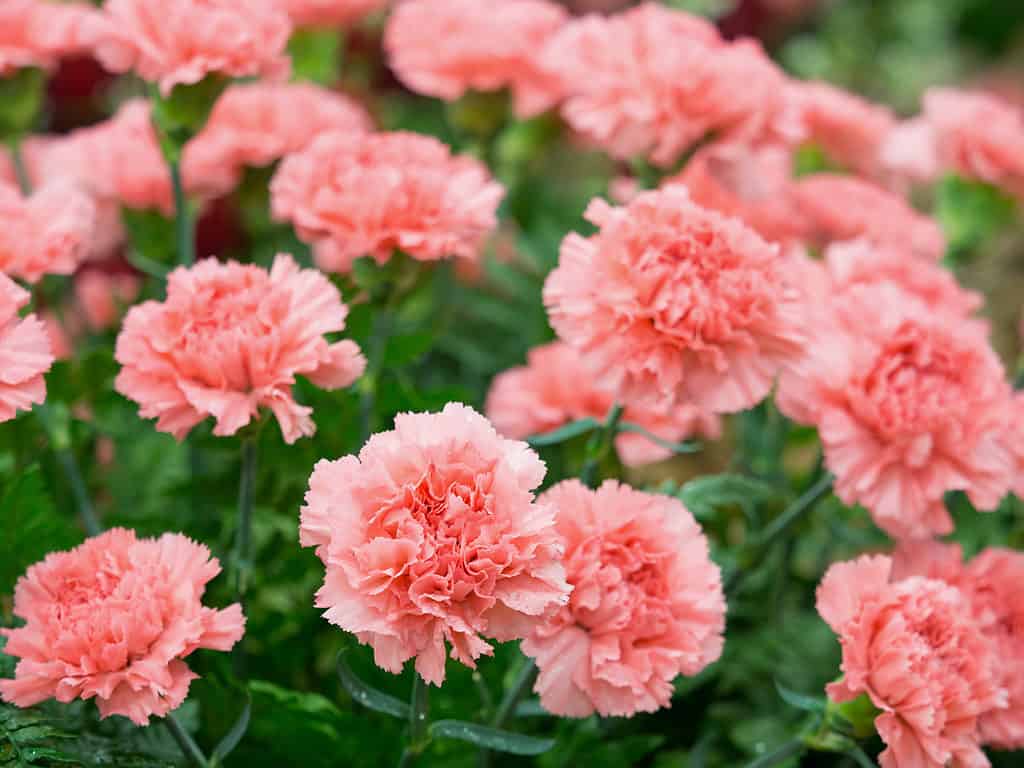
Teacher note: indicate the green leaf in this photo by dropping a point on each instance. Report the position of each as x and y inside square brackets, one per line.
[778, 755]
[800, 700]
[704, 495]
[564, 434]
[230, 741]
[369, 697]
[861, 758]
[490, 738]
[316, 55]
[668, 445]
[405, 348]
[22, 97]
[970, 212]
[152, 240]
[32, 527]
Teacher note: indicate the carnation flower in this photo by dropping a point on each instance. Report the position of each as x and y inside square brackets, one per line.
[432, 534]
[978, 136]
[991, 584]
[230, 339]
[850, 130]
[24, 353]
[910, 403]
[1015, 441]
[554, 388]
[114, 619]
[647, 603]
[258, 123]
[102, 296]
[487, 46]
[909, 152]
[913, 646]
[652, 82]
[371, 194]
[47, 233]
[37, 33]
[844, 208]
[672, 303]
[753, 184]
[179, 42]
[329, 13]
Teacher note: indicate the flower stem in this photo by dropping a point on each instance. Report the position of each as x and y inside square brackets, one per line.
[243, 535]
[183, 218]
[418, 736]
[187, 744]
[60, 441]
[20, 171]
[599, 445]
[527, 674]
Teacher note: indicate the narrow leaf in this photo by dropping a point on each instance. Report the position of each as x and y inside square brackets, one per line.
[800, 700]
[668, 445]
[491, 738]
[568, 432]
[861, 758]
[369, 697]
[234, 736]
[784, 752]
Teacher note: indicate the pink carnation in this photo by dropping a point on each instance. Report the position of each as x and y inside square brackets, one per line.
[24, 353]
[1015, 441]
[324, 13]
[486, 47]
[37, 33]
[909, 402]
[179, 42]
[909, 152]
[369, 195]
[844, 208]
[258, 123]
[753, 184]
[47, 233]
[230, 339]
[672, 303]
[102, 296]
[991, 583]
[850, 130]
[978, 136]
[432, 534]
[913, 646]
[647, 603]
[114, 619]
[554, 388]
[652, 82]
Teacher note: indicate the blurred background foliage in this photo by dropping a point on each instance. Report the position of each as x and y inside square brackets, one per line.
[447, 339]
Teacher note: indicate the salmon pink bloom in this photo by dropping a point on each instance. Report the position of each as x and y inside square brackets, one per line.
[258, 123]
[179, 42]
[671, 303]
[230, 339]
[978, 136]
[329, 13]
[909, 152]
[114, 619]
[37, 33]
[554, 388]
[652, 82]
[24, 353]
[432, 534]
[103, 296]
[487, 46]
[845, 208]
[372, 194]
[913, 646]
[46, 233]
[646, 605]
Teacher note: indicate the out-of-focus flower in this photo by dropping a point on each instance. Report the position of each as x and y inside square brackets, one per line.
[991, 584]
[909, 154]
[910, 402]
[646, 605]
[487, 46]
[978, 136]
[370, 195]
[37, 33]
[432, 534]
[913, 646]
[230, 339]
[102, 296]
[838, 207]
[753, 184]
[24, 353]
[554, 388]
[114, 619]
[46, 233]
[258, 123]
[671, 303]
[652, 82]
[179, 42]
[851, 130]
[329, 13]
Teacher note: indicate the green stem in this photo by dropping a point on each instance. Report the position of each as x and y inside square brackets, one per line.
[527, 674]
[243, 535]
[786, 751]
[187, 744]
[600, 444]
[418, 737]
[379, 335]
[61, 444]
[183, 218]
[20, 171]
